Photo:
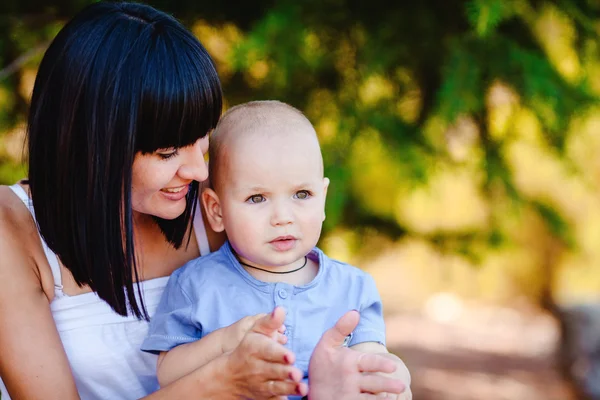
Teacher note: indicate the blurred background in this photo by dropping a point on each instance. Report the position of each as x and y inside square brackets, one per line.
[462, 140]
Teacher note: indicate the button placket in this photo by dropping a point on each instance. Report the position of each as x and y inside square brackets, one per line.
[282, 296]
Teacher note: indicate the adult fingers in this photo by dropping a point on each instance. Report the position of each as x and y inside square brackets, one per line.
[281, 389]
[265, 349]
[269, 324]
[370, 362]
[278, 372]
[378, 384]
[335, 336]
[278, 354]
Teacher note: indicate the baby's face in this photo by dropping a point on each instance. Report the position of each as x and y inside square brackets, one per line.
[273, 195]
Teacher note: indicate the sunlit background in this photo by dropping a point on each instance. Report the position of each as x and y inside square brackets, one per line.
[462, 140]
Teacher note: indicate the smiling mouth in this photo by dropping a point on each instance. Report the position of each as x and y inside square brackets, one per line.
[173, 190]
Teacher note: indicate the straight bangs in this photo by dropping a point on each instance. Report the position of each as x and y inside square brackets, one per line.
[181, 93]
[181, 102]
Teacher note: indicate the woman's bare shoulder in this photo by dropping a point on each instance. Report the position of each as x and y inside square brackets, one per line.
[33, 361]
[22, 253]
[14, 216]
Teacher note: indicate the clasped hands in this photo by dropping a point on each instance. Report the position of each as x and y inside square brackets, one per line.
[263, 368]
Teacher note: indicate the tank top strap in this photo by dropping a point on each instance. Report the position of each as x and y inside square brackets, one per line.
[200, 230]
[50, 255]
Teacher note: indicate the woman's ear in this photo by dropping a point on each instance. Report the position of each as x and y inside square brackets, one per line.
[212, 207]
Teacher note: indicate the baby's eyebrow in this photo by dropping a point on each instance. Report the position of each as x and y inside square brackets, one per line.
[304, 185]
[254, 188]
[246, 190]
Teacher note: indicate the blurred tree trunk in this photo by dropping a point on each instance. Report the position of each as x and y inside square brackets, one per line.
[566, 350]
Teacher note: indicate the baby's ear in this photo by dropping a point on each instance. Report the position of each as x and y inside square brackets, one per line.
[326, 184]
[212, 207]
[325, 187]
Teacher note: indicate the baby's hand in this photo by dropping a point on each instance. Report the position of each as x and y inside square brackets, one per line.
[234, 333]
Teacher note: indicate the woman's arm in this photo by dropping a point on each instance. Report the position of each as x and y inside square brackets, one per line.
[33, 362]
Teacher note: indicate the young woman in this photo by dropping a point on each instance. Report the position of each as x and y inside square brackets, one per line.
[121, 107]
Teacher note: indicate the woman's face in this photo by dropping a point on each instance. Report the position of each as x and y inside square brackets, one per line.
[160, 180]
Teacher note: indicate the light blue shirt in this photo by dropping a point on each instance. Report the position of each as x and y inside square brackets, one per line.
[215, 291]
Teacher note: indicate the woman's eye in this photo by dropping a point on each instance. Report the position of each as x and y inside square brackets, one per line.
[165, 155]
[257, 198]
[302, 194]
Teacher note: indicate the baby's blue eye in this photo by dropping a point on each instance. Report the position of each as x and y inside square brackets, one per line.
[302, 194]
[256, 198]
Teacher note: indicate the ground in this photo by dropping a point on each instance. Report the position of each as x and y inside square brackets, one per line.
[476, 352]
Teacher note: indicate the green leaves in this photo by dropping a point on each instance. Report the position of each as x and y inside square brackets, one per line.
[389, 87]
[484, 16]
[462, 88]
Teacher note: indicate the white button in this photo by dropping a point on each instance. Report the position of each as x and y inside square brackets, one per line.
[282, 293]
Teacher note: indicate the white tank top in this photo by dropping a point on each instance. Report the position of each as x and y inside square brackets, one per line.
[102, 346]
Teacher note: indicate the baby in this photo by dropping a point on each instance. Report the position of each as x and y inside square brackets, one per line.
[268, 194]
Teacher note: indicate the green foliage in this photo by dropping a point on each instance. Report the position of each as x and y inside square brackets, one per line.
[462, 88]
[405, 73]
[553, 99]
[10, 172]
[486, 15]
[555, 222]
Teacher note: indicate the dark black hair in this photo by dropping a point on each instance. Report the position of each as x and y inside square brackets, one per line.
[119, 79]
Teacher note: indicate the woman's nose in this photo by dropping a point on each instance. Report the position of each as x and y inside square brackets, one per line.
[194, 166]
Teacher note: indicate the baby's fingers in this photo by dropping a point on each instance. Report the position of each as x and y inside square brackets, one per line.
[269, 324]
[281, 339]
[370, 362]
[375, 384]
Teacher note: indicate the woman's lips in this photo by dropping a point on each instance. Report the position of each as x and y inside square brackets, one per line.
[176, 193]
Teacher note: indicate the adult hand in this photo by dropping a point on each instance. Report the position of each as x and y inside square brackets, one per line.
[337, 372]
[262, 368]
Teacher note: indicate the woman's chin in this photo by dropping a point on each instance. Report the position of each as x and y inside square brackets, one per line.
[168, 213]
[171, 215]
